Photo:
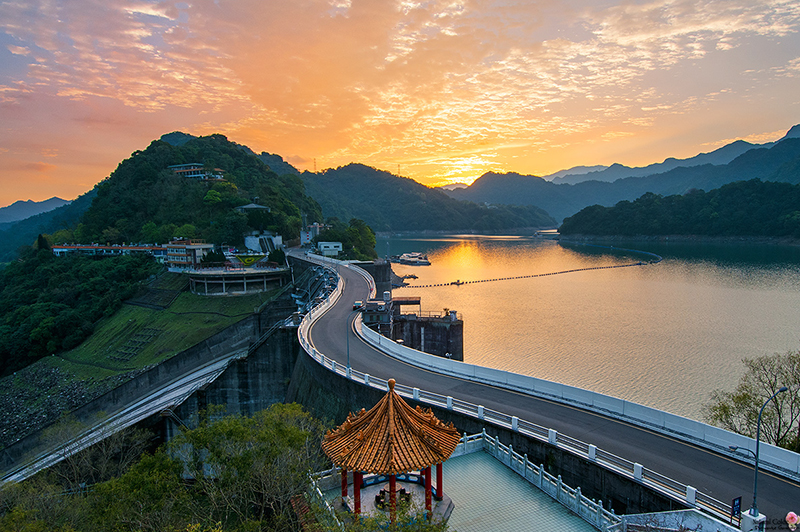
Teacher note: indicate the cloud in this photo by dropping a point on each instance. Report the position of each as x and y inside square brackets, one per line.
[39, 167]
[461, 84]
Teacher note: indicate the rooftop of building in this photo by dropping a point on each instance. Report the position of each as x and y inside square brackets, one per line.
[390, 438]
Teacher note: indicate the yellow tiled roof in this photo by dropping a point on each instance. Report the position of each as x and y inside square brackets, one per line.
[390, 438]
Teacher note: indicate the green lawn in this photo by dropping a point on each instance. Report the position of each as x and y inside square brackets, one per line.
[121, 346]
[135, 337]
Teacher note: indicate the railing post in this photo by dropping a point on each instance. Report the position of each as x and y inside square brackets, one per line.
[637, 471]
[511, 456]
[449, 403]
[480, 411]
[600, 514]
[349, 373]
[514, 423]
[559, 486]
[366, 379]
[592, 452]
[541, 476]
[691, 495]
[416, 393]
[551, 436]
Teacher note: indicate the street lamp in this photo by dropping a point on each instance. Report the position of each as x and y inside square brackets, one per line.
[734, 448]
[754, 508]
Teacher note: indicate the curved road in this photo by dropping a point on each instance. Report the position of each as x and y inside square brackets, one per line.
[713, 474]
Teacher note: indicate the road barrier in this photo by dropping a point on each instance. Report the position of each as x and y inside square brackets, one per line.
[776, 459]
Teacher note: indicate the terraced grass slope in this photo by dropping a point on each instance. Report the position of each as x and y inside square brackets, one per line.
[123, 345]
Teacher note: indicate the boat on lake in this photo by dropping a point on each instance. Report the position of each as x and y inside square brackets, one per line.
[414, 258]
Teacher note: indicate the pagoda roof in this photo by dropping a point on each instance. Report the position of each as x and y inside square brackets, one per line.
[390, 438]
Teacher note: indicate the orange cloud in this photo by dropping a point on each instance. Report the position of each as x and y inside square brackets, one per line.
[40, 167]
[446, 89]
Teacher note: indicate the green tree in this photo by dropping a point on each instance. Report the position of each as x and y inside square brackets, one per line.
[737, 410]
[150, 233]
[278, 256]
[248, 469]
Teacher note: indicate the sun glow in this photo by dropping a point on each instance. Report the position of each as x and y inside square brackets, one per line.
[446, 90]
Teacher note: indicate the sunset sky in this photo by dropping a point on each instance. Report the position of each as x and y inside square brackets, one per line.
[442, 90]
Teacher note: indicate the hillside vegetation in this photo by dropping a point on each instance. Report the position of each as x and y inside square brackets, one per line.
[745, 208]
[387, 202]
[21, 234]
[51, 303]
[144, 201]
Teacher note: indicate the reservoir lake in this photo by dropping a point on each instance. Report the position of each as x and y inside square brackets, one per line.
[663, 335]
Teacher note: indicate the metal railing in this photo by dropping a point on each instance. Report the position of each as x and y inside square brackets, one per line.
[587, 509]
[671, 488]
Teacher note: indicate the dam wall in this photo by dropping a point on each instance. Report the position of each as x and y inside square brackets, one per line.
[332, 396]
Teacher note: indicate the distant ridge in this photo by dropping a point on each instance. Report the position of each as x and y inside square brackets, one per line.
[19, 210]
[722, 155]
[776, 161]
[387, 202]
[277, 164]
[453, 186]
[575, 171]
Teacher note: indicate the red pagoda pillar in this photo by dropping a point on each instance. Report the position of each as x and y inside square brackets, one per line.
[344, 483]
[392, 498]
[439, 490]
[357, 478]
[428, 505]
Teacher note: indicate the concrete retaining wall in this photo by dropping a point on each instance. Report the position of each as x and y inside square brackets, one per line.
[250, 384]
[236, 336]
[330, 396]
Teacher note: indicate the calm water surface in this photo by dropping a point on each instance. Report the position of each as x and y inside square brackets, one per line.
[662, 335]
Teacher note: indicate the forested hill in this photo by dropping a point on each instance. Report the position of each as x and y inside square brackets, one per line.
[780, 162]
[24, 232]
[145, 201]
[388, 202]
[744, 208]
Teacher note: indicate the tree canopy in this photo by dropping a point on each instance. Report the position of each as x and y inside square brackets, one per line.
[143, 200]
[744, 208]
[244, 473]
[52, 303]
[387, 202]
[737, 410]
[357, 238]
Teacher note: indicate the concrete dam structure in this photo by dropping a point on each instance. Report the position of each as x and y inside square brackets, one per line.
[632, 458]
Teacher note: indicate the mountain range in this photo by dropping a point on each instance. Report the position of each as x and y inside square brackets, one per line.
[19, 210]
[360, 191]
[776, 161]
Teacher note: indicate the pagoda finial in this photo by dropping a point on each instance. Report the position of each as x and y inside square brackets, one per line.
[391, 384]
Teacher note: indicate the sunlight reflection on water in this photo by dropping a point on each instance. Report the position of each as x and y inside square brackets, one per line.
[662, 335]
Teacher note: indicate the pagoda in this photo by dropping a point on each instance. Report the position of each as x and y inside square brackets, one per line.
[391, 440]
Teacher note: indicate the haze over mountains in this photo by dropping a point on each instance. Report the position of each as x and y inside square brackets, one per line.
[19, 210]
[775, 161]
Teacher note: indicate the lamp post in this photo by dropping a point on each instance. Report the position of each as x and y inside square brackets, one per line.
[754, 508]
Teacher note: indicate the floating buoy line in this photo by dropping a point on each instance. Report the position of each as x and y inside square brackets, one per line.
[458, 282]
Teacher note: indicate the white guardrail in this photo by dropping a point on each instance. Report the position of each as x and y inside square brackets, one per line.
[571, 498]
[770, 457]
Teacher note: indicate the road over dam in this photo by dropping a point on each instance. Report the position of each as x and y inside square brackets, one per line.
[713, 474]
